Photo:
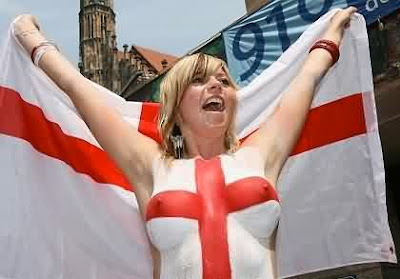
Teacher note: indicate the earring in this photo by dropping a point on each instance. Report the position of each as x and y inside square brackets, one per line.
[177, 141]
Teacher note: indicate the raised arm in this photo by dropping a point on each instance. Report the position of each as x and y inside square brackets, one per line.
[132, 151]
[277, 136]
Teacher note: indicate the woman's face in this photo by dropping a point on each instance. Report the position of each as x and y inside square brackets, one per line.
[208, 104]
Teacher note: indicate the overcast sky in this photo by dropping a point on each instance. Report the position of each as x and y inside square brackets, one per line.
[171, 26]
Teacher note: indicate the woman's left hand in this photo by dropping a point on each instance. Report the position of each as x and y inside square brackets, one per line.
[339, 22]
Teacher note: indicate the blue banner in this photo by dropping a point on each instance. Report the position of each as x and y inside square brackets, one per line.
[258, 40]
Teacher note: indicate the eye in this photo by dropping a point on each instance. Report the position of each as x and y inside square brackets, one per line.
[197, 79]
[224, 81]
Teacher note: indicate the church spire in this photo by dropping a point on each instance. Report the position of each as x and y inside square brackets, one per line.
[97, 38]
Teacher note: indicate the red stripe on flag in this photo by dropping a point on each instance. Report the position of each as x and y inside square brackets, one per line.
[148, 121]
[332, 122]
[329, 123]
[26, 121]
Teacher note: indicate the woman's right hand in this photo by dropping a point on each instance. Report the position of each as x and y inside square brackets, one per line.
[25, 22]
[27, 31]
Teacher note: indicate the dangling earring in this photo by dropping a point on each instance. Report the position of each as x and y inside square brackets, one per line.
[177, 141]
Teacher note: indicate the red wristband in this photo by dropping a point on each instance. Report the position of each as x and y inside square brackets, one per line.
[329, 46]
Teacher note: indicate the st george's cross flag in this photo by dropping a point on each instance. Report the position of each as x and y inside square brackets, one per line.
[67, 211]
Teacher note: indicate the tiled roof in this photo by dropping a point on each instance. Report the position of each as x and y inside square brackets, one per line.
[155, 58]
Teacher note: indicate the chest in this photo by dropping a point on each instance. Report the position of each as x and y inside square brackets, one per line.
[213, 218]
[215, 194]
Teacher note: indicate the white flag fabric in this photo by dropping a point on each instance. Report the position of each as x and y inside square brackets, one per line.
[332, 189]
[67, 211]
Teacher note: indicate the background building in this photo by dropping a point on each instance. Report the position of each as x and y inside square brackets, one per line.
[253, 5]
[100, 59]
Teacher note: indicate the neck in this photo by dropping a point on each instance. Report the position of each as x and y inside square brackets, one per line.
[206, 148]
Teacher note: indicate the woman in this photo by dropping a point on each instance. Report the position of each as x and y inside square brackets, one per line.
[209, 205]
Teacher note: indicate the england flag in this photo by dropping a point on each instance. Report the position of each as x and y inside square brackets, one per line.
[67, 211]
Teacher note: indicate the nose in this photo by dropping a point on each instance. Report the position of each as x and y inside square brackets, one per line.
[213, 84]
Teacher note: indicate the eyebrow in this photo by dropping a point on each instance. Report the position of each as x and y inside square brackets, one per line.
[223, 74]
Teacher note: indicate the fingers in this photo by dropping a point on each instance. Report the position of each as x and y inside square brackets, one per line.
[351, 10]
[26, 30]
[348, 10]
[35, 22]
[25, 25]
[341, 19]
[27, 19]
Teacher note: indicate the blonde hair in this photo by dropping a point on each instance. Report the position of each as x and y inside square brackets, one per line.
[179, 77]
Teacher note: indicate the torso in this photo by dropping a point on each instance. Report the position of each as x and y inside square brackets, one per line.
[213, 218]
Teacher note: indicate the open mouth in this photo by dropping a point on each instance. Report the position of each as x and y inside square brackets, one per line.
[214, 104]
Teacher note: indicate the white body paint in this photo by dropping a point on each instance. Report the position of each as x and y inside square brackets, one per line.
[249, 230]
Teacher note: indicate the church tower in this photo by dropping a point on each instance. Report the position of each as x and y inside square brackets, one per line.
[97, 42]
[99, 57]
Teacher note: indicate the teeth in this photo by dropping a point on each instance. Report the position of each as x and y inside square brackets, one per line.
[214, 100]
[214, 104]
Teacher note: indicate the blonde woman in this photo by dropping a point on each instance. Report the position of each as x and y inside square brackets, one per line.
[210, 206]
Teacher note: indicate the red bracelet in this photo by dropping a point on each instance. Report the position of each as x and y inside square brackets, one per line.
[329, 46]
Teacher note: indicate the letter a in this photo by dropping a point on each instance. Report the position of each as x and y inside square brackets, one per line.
[368, 5]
